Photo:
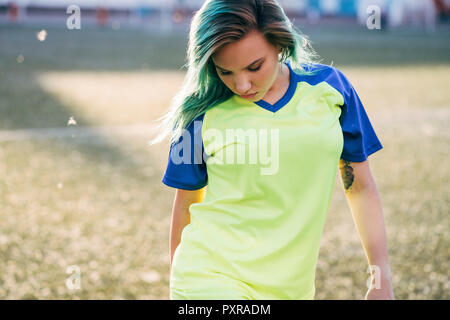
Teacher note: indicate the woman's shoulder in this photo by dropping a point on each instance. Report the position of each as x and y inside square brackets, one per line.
[199, 118]
[317, 69]
[315, 73]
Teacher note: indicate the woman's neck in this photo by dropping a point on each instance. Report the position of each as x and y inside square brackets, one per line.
[280, 85]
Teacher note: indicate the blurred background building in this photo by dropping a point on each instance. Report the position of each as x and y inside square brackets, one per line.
[169, 14]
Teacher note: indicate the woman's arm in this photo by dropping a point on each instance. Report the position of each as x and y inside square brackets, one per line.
[362, 196]
[181, 216]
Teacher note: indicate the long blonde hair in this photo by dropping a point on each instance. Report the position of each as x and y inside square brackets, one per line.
[215, 24]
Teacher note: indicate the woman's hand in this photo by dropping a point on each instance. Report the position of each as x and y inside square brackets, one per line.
[382, 292]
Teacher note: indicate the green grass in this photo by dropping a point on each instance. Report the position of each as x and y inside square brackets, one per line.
[99, 203]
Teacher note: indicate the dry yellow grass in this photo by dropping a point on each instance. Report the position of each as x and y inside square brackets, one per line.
[99, 203]
[110, 98]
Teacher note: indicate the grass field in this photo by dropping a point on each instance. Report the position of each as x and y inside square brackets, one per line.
[97, 202]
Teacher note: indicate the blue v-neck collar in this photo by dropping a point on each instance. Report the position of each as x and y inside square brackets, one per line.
[286, 97]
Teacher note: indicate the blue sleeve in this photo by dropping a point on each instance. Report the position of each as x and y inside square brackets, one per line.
[360, 139]
[186, 168]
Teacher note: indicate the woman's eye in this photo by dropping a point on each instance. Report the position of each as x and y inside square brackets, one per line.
[224, 73]
[256, 69]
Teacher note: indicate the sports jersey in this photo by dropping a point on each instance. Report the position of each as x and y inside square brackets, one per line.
[270, 171]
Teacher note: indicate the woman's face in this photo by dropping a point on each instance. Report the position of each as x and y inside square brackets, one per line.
[249, 65]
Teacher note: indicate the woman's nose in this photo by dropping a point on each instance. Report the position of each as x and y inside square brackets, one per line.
[242, 85]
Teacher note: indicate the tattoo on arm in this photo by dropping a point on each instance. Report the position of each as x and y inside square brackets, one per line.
[347, 173]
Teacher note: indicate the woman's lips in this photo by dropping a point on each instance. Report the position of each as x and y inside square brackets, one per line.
[249, 96]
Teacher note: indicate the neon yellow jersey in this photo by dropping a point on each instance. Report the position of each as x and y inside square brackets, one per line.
[270, 172]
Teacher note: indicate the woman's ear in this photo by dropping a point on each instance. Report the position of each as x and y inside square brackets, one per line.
[279, 49]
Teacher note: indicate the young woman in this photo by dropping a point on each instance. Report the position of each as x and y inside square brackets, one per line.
[251, 229]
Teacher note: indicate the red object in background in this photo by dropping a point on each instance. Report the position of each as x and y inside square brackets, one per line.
[102, 16]
[179, 15]
[442, 6]
[13, 12]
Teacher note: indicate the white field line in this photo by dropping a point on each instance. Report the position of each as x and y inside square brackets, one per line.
[430, 122]
[77, 132]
